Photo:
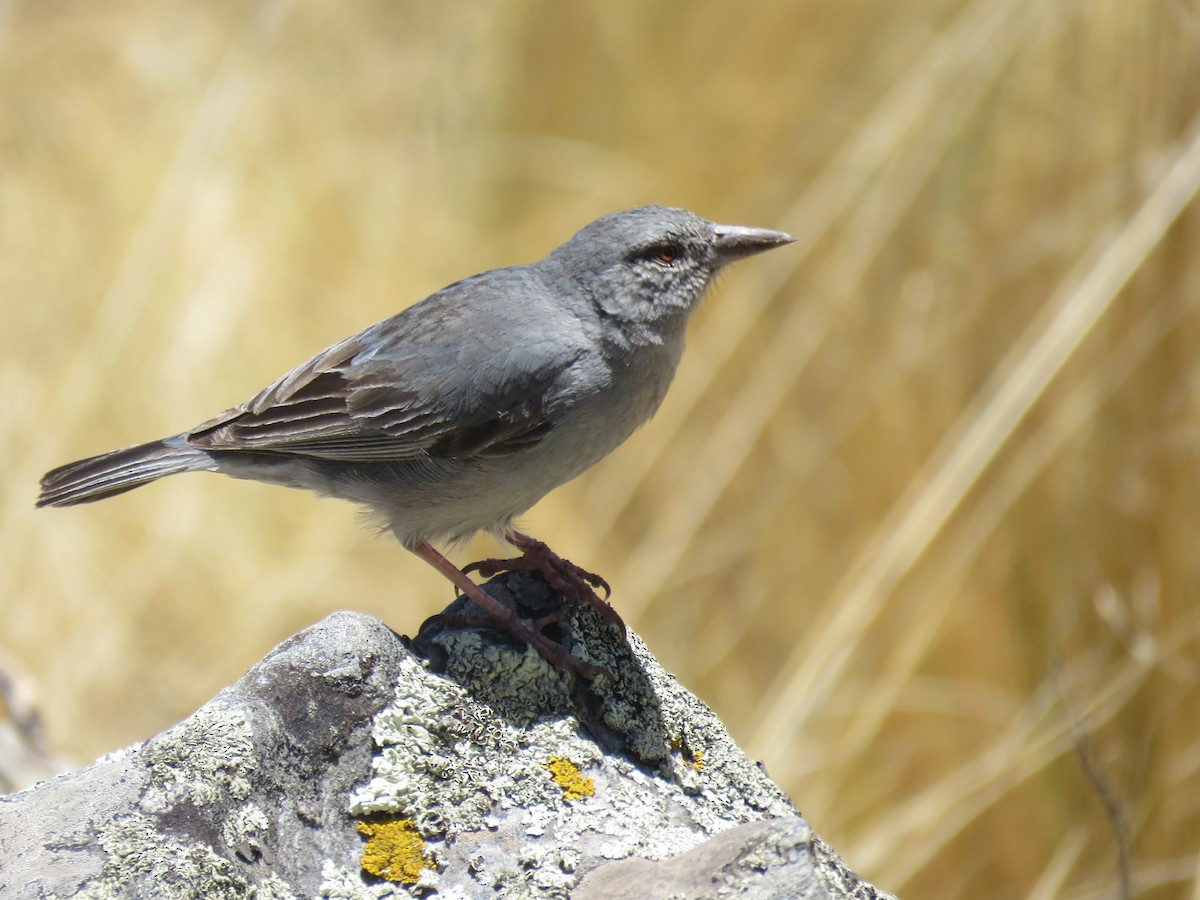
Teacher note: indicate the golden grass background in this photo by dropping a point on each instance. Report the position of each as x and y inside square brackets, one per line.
[921, 516]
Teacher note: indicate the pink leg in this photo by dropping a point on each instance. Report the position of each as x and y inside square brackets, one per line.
[562, 575]
[505, 618]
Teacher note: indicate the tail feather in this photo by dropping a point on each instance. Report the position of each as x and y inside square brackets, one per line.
[118, 471]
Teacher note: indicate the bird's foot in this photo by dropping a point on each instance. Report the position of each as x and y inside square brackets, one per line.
[506, 619]
[576, 584]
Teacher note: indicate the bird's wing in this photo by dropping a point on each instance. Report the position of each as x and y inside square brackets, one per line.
[401, 390]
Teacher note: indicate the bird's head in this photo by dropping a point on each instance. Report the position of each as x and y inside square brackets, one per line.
[645, 269]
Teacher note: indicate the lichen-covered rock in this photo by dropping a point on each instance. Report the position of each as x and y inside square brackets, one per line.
[245, 797]
[345, 765]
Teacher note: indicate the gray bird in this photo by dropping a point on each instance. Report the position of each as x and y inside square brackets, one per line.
[461, 412]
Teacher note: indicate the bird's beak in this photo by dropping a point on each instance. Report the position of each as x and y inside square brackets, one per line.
[734, 242]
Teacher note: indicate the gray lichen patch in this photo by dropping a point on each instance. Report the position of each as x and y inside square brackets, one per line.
[208, 757]
[139, 855]
[449, 761]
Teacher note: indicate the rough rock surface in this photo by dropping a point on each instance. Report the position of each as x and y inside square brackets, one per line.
[348, 765]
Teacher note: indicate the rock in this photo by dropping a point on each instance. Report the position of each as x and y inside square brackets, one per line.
[347, 765]
[765, 860]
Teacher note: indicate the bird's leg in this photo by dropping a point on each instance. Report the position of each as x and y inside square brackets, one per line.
[505, 618]
[561, 574]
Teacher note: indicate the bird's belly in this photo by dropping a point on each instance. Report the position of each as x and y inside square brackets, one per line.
[447, 499]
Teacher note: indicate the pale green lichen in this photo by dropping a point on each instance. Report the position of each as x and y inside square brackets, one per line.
[448, 759]
[139, 854]
[339, 883]
[208, 758]
[205, 758]
[247, 826]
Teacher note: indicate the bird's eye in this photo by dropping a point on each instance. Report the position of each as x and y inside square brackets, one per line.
[664, 254]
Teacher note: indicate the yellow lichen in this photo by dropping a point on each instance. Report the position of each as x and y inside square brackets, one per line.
[575, 785]
[394, 850]
[693, 759]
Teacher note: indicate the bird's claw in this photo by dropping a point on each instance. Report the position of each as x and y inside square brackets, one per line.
[573, 582]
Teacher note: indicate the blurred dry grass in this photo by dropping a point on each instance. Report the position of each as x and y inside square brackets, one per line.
[921, 517]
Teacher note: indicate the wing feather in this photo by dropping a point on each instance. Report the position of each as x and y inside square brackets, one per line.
[381, 397]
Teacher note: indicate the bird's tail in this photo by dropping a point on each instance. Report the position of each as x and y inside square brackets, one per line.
[121, 470]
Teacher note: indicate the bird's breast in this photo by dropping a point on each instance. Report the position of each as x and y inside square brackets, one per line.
[603, 419]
